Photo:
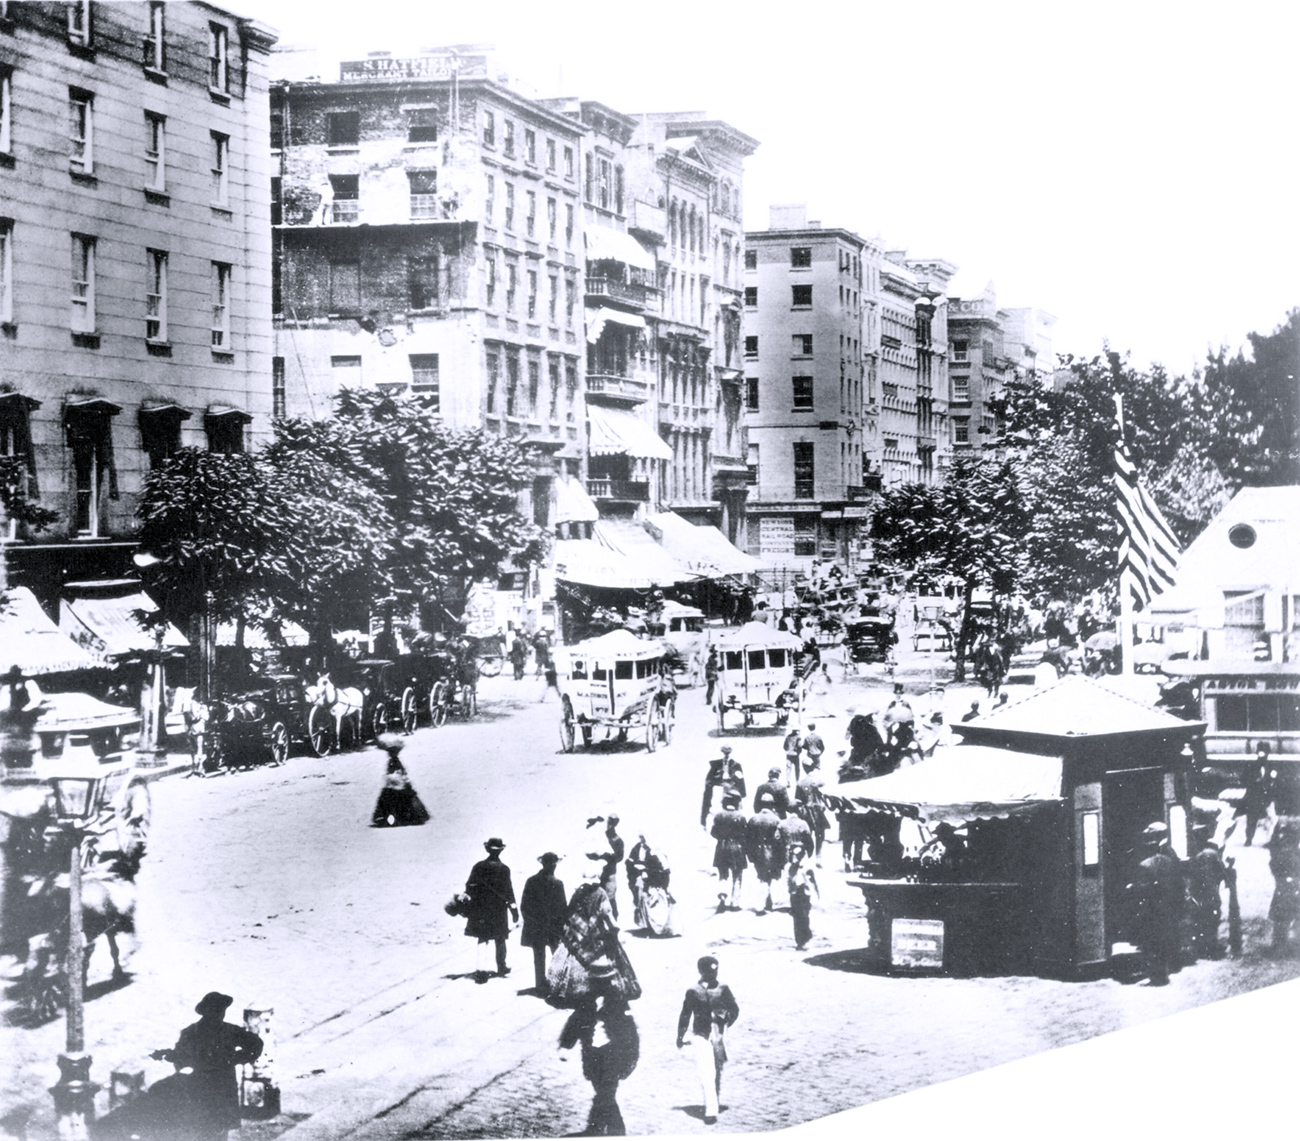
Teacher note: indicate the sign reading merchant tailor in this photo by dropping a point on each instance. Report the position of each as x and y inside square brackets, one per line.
[420, 67]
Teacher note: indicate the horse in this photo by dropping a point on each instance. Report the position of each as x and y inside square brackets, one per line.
[342, 703]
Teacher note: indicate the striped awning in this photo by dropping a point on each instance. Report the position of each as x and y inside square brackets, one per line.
[30, 641]
[106, 627]
[614, 431]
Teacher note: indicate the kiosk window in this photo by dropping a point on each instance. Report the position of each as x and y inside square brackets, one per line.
[579, 669]
[755, 659]
[643, 669]
[623, 671]
[599, 673]
[776, 659]
[735, 660]
[1090, 827]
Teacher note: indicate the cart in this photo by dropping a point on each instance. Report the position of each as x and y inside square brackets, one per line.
[757, 674]
[615, 682]
[871, 637]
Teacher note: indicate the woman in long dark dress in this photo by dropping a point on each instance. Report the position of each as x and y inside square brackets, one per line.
[399, 804]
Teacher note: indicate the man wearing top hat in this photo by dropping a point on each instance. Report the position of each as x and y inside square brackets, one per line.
[724, 773]
[211, 1048]
[491, 903]
[543, 905]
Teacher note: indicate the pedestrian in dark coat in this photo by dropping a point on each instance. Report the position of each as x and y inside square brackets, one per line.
[1159, 898]
[763, 846]
[800, 883]
[491, 905]
[864, 740]
[793, 746]
[724, 773]
[611, 1047]
[773, 789]
[813, 745]
[211, 1048]
[1284, 863]
[710, 675]
[1258, 795]
[398, 803]
[730, 827]
[1206, 876]
[610, 859]
[544, 905]
[811, 805]
[707, 1010]
[518, 656]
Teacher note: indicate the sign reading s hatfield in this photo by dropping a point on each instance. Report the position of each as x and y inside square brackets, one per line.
[420, 67]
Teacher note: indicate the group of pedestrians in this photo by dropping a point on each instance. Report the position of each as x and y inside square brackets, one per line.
[589, 972]
[782, 835]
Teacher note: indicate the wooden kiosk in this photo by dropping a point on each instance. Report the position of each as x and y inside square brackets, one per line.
[1052, 795]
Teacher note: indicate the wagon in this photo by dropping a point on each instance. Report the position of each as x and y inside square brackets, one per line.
[616, 682]
[757, 674]
[871, 637]
[682, 627]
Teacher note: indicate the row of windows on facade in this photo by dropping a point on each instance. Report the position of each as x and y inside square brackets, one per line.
[153, 141]
[516, 403]
[81, 24]
[342, 206]
[801, 258]
[529, 213]
[343, 128]
[529, 155]
[801, 296]
[493, 294]
[82, 316]
[423, 380]
[88, 431]
[805, 465]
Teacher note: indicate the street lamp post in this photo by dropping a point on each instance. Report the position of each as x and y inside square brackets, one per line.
[78, 789]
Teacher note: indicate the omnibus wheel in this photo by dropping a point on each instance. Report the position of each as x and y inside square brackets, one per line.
[278, 743]
[722, 724]
[652, 727]
[409, 715]
[668, 721]
[378, 720]
[567, 727]
[438, 703]
[320, 733]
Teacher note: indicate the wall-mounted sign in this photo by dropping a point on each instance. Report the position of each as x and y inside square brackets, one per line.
[421, 67]
[776, 535]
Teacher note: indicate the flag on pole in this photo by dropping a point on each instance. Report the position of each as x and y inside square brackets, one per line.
[1148, 548]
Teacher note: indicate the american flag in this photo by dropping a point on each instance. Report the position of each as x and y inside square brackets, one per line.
[1148, 549]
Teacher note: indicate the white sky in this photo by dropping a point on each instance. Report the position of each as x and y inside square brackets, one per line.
[1129, 167]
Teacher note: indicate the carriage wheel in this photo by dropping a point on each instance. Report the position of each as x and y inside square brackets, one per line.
[668, 720]
[722, 724]
[567, 724]
[378, 720]
[409, 715]
[320, 733]
[438, 703]
[651, 727]
[279, 743]
[469, 701]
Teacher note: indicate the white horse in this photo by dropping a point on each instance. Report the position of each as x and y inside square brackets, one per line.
[341, 703]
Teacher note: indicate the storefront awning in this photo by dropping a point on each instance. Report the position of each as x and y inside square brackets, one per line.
[30, 641]
[651, 564]
[599, 317]
[614, 431]
[604, 244]
[704, 550]
[572, 503]
[961, 783]
[106, 627]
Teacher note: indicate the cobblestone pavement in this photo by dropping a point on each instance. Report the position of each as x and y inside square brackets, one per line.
[270, 886]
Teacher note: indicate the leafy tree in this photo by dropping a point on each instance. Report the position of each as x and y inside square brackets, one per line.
[223, 531]
[1251, 409]
[972, 528]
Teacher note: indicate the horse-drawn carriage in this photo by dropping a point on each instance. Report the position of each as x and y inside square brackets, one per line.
[757, 673]
[258, 724]
[870, 637]
[616, 682]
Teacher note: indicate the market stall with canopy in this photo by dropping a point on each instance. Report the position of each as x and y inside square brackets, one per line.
[1028, 832]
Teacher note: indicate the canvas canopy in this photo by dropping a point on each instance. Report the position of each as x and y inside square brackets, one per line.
[704, 550]
[106, 627]
[958, 784]
[756, 634]
[30, 641]
[618, 644]
[616, 432]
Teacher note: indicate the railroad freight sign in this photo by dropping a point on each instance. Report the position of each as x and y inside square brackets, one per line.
[916, 943]
[776, 535]
[419, 67]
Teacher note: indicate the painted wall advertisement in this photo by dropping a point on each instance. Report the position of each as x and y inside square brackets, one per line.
[776, 536]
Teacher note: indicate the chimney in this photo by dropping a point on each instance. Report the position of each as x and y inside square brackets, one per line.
[788, 217]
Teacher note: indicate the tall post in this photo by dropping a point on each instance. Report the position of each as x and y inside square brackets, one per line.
[1125, 622]
[74, 1094]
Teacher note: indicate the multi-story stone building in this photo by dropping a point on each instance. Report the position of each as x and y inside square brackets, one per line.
[989, 346]
[805, 389]
[429, 240]
[135, 260]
